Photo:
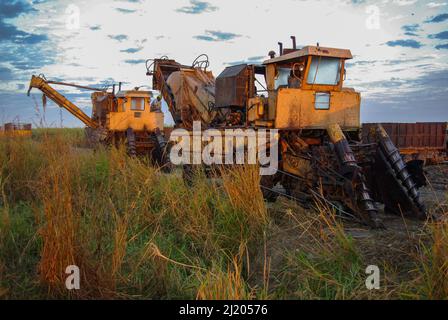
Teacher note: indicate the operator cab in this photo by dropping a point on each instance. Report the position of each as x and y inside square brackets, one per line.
[306, 90]
[303, 89]
[312, 68]
[133, 110]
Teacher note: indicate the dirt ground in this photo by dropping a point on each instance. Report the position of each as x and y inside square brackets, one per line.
[391, 246]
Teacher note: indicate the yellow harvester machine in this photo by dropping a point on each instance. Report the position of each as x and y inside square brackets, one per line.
[301, 93]
[122, 117]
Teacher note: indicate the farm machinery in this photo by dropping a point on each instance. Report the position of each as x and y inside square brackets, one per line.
[15, 129]
[300, 93]
[117, 117]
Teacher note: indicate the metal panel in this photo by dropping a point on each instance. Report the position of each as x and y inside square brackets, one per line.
[232, 87]
[296, 110]
[420, 135]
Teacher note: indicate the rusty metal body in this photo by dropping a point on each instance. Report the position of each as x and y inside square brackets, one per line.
[16, 129]
[188, 90]
[303, 97]
[119, 117]
[427, 141]
[319, 130]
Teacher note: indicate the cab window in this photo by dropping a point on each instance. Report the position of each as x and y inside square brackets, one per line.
[137, 104]
[281, 78]
[324, 71]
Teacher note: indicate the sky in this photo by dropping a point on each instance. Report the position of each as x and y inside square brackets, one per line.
[400, 47]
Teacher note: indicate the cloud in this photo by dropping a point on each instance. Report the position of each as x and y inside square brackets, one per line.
[118, 37]
[5, 74]
[408, 43]
[404, 2]
[217, 36]
[436, 4]
[95, 28]
[131, 50]
[442, 35]
[21, 51]
[135, 61]
[358, 1]
[442, 46]
[250, 60]
[197, 7]
[401, 99]
[26, 58]
[122, 10]
[439, 18]
[12, 9]
[9, 32]
[411, 29]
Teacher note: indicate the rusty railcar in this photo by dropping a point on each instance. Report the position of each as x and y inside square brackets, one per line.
[16, 129]
[426, 141]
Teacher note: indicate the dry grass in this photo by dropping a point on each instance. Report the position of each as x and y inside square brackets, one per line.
[241, 184]
[226, 284]
[136, 232]
[432, 265]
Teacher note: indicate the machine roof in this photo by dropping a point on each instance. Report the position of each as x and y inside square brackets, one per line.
[312, 51]
[134, 93]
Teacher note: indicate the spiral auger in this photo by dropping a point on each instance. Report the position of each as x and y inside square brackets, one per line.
[390, 157]
[359, 197]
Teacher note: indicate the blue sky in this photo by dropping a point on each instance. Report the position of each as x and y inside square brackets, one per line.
[400, 47]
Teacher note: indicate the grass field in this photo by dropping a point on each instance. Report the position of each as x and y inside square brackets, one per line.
[137, 233]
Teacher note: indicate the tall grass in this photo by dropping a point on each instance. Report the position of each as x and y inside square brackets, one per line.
[326, 264]
[432, 266]
[136, 232]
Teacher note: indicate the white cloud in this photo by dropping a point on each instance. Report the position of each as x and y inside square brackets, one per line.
[436, 4]
[158, 28]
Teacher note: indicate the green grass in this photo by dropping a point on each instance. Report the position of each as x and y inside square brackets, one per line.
[138, 233]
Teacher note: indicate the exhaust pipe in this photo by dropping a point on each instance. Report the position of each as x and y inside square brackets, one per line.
[119, 86]
[280, 45]
[294, 45]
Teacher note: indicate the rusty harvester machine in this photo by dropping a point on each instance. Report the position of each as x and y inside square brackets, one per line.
[16, 129]
[117, 117]
[301, 93]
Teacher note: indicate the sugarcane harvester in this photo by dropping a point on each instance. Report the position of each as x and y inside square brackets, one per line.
[301, 93]
[122, 117]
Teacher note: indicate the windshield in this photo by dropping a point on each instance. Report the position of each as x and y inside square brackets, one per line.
[325, 71]
[137, 104]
